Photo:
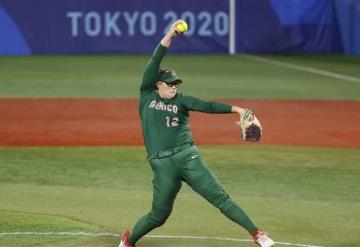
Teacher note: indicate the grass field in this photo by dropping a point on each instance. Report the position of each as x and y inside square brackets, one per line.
[209, 76]
[300, 195]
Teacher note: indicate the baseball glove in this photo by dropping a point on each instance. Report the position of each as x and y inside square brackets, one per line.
[250, 126]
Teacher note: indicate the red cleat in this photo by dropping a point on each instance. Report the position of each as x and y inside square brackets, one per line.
[261, 239]
[124, 239]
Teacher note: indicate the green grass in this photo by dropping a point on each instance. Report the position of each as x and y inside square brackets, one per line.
[207, 76]
[299, 195]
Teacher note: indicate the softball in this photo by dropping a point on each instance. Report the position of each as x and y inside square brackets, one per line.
[181, 27]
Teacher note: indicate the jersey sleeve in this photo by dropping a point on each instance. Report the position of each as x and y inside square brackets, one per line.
[151, 73]
[195, 104]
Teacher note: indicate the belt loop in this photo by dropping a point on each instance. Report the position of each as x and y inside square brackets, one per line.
[169, 152]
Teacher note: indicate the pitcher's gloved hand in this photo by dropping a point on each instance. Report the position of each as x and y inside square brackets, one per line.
[250, 126]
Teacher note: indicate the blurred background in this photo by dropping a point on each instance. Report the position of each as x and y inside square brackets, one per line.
[218, 26]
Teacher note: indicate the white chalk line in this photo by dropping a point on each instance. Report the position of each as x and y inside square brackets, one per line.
[105, 234]
[303, 68]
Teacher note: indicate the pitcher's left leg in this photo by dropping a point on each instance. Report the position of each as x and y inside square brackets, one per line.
[197, 174]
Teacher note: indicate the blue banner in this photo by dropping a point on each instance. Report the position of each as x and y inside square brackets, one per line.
[284, 26]
[133, 27]
[347, 26]
[110, 26]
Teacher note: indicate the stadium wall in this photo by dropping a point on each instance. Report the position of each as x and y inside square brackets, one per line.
[217, 26]
[347, 26]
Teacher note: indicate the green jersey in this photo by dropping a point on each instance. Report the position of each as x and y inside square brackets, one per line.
[165, 122]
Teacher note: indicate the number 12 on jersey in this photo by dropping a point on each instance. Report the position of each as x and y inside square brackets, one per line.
[172, 122]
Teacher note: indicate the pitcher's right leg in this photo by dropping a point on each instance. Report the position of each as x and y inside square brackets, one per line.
[166, 185]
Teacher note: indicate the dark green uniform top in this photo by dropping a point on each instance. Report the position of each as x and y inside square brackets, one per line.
[165, 123]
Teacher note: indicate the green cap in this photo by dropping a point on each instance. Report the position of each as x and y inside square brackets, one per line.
[169, 76]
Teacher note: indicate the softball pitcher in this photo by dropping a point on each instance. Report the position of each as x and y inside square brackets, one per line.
[171, 151]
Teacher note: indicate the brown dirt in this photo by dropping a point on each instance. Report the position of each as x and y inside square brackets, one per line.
[108, 122]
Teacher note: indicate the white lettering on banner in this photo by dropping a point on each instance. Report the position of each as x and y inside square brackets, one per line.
[74, 16]
[221, 23]
[169, 17]
[131, 20]
[202, 24]
[92, 24]
[148, 23]
[110, 24]
[191, 20]
[119, 23]
[204, 29]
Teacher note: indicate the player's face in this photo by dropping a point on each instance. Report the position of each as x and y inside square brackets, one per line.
[168, 91]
